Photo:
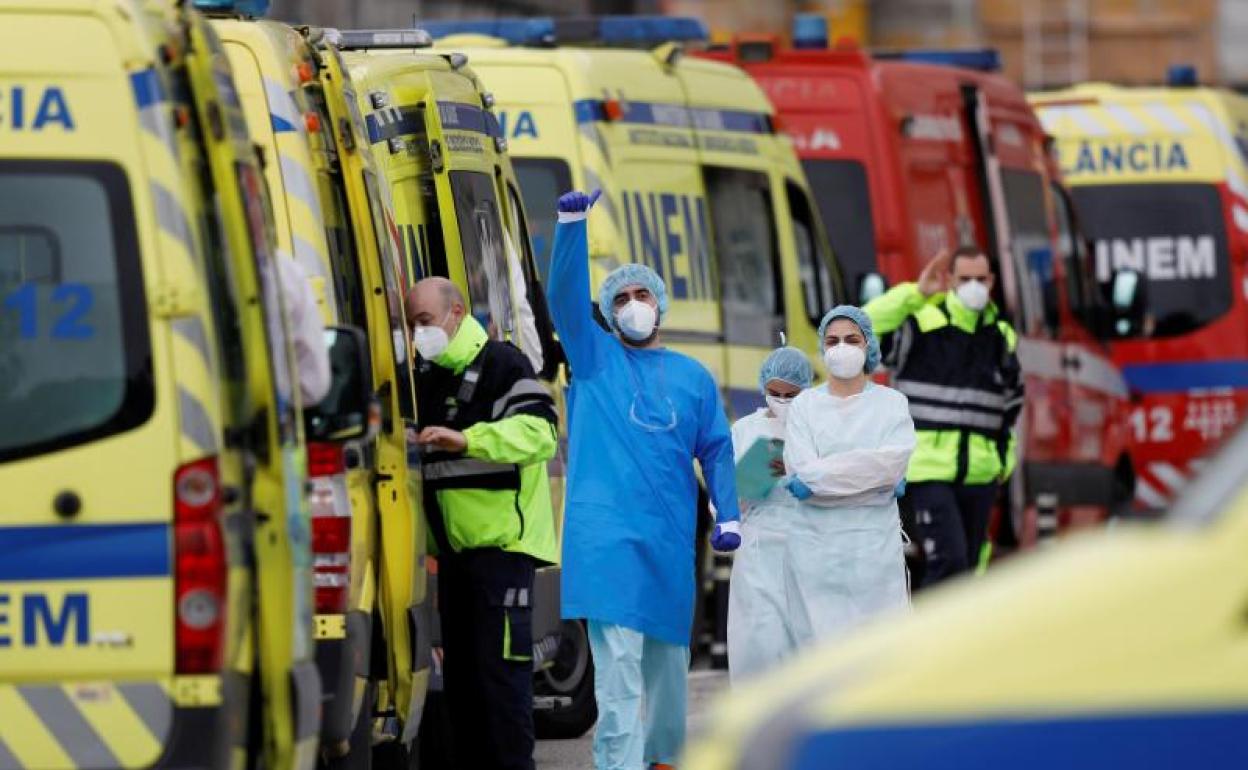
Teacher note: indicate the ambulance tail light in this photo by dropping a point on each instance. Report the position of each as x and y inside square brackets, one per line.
[200, 567]
[331, 527]
[810, 30]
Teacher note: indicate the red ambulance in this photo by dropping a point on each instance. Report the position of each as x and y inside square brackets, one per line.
[911, 153]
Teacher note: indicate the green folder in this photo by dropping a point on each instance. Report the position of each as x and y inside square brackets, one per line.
[754, 477]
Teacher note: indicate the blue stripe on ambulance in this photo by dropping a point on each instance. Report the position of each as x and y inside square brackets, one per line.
[84, 551]
[148, 90]
[1189, 375]
[390, 122]
[676, 115]
[280, 125]
[1137, 741]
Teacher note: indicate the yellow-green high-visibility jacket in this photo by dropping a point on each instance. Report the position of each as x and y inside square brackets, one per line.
[959, 370]
[497, 492]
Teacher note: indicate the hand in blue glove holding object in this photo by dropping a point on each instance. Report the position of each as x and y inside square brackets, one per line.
[798, 489]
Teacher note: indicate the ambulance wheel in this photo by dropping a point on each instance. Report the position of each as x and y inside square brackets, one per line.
[360, 755]
[571, 675]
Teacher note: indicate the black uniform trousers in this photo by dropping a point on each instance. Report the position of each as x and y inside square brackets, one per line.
[485, 598]
[951, 521]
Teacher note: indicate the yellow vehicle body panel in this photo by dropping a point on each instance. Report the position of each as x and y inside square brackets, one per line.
[654, 136]
[266, 58]
[85, 679]
[1130, 636]
[1111, 135]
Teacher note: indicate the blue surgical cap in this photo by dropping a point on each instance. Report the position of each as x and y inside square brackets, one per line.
[856, 315]
[787, 365]
[630, 275]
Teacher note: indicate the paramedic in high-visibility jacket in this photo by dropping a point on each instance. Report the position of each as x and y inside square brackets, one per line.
[487, 428]
[953, 356]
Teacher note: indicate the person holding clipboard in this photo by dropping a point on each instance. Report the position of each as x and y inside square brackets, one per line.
[760, 633]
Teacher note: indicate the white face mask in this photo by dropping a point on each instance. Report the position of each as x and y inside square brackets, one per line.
[779, 406]
[973, 294]
[845, 361]
[636, 320]
[430, 341]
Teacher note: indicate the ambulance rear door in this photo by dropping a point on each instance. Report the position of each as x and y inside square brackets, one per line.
[93, 424]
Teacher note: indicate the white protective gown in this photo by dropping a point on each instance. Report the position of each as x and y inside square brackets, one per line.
[809, 571]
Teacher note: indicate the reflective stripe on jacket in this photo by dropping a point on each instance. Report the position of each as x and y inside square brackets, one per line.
[497, 492]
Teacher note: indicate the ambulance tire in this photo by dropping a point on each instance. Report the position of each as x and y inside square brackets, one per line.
[571, 676]
[360, 754]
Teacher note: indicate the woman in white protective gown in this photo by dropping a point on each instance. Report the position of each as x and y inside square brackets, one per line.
[830, 555]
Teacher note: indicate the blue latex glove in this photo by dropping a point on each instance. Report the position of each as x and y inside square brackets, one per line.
[726, 537]
[798, 489]
[899, 491]
[577, 201]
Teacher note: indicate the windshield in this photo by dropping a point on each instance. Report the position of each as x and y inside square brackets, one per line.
[542, 181]
[1172, 233]
[840, 190]
[75, 359]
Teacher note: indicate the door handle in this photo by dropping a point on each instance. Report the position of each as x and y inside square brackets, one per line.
[1072, 362]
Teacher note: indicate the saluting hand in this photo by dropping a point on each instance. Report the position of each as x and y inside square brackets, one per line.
[935, 274]
[446, 439]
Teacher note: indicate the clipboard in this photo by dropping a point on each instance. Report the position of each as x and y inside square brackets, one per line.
[754, 477]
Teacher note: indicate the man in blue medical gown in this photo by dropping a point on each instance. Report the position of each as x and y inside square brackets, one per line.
[639, 416]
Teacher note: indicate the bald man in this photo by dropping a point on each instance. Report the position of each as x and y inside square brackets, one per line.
[487, 428]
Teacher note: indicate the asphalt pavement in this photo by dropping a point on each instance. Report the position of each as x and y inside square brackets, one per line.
[578, 754]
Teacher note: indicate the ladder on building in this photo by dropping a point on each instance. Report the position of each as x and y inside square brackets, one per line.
[1055, 42]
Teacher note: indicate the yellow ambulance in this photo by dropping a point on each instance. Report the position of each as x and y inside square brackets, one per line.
[367, 532]
[155, 593]
[457, 213]
[696, 181]
[1122, 648]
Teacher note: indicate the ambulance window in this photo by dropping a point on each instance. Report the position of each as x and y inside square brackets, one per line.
[1033, 250]
[394, 289]
[485, 261]
[1175, 235]
[348, 284]
[818, 290]
[1073, 254]
[75, 358]
[840, 190]
[744, 227]
[256, 207]
[542, 181]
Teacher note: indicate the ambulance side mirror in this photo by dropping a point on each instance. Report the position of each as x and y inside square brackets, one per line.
[870, 286]
[349, 410]
[1128, 302]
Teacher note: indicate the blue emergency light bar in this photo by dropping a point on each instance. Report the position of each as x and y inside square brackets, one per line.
[253, 8]
[354, 39]
[982, 59]
[603, 30]
[1182, 76]
[810, 30]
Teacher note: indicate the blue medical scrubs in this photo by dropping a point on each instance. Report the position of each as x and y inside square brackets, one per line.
[638, 419]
